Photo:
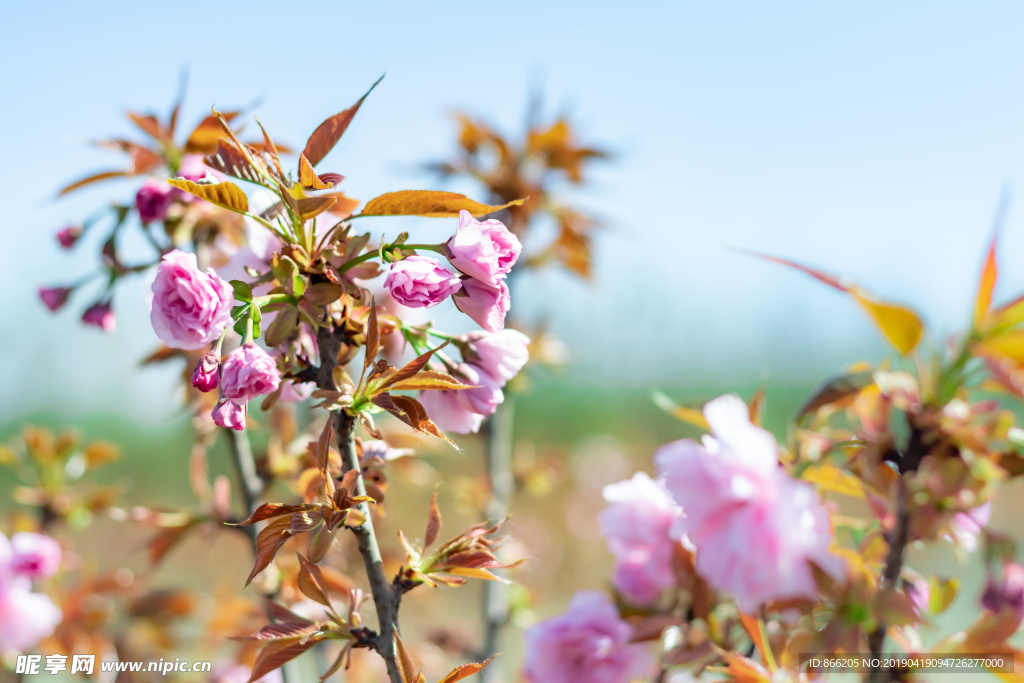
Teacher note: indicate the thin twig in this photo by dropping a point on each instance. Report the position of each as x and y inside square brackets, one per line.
[249, 482]
[898, 539]
[385, 599]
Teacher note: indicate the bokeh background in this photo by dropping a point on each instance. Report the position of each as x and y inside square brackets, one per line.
[867, 139]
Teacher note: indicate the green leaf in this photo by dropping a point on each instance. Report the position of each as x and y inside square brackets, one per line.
[243, 292]
[282, 327]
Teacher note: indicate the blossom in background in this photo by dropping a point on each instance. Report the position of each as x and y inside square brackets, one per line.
[420, 282]
[153, 199]
[637, 525]
[190, 308]
[100, 315]
[227, 671]
[486, 304]
[484, 250]
[248, 372]
[449, 413]
[965, 527]
[227, 413]
[1006, 591]
[68, 236]
[755, 527]
[26, 617]
[54, 297]
[589, 642]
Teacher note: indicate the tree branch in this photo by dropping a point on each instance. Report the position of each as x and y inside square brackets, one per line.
[898, 539]
[249, 482]
[385, 598]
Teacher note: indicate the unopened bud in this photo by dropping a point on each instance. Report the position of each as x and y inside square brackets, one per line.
[206, 376]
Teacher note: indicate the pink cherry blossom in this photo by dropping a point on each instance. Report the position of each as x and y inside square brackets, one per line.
[420, 282]
[485, 303]
[755, 527]
[293, 393]
[502, 355]
[153, 199]
[190, 308]
[637, 525]
[68, 236]
[449, 413]
[248, 372]
[100, 315]
[965, 527]
[34, 555]
[206, 376]
[54, 297]
[1006, 591]
[227, 413]
[486, 394]
[589, 642]
[25, 617]
[484, 250]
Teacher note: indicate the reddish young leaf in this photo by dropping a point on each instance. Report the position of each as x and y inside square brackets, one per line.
[429, 380]
[466, 670]
[271, 149]
[311, 581]
[406, 667]
[330, 131]
[280, 631]
[269, 510]
[433, 522]
[323, 446]
[282, 613]
[344, 206]
[268, 543]
[229, 159]
[372, 336]
[278, 653]
[106, 175]
[203, 140]
[415, 365]
[148, 124]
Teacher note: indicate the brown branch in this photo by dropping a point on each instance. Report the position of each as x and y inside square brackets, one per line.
[385, 598]
[898, 539]
[249, 483]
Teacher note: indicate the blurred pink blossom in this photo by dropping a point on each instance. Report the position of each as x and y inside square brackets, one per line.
[589, 642]
[54, 297]
[637, 525]
[69, 235]
[34, 555]
[1005, 592]
[100, 315]
[755, 527]
[967, 526]
[153, 199]
[502, 355]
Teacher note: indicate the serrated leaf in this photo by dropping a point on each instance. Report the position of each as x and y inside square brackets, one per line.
[280, 632]
[429, 380]
[282, 327]
[228, 159]
[311, 207]
[278, 653]
[269, 541]
[429, 203]
[204, 138]
[270, 510]
[433, 522]
[243, 292]
[225, 194]
[415, 365]
[330, 131]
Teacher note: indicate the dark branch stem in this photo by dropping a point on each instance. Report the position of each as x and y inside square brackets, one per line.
[249, 482]
[898, 539]
[385, 598]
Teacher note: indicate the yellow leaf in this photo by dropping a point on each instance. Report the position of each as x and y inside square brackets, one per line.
[688, 415]
[308, 177]
[100, 453]
[898, 324]
[985, 287]
[311, 207]
[406, 667]
[226, 194]
[941, 593]
[93, 179]
[465, 671]
[476, 573]
[830, 478]
[429, 203]
[1006, 345]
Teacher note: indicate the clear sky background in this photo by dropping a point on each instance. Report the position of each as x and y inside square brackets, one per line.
[865, 138]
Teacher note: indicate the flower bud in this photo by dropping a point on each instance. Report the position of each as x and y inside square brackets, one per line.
[100, 315]
[54, 297]
[68, 236]
[206, 376]
[420, 282]
[248, 372]
[485, 250]
[230, 414]
[153, 199]
[485, 303]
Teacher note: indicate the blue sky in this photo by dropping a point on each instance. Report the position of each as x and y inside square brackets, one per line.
[865, 138]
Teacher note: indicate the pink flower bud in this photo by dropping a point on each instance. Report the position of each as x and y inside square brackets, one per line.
[230, 414]
[206, 376]
[100, 315]
[485, 250]
[1006, 592]
[485, 303]
[190, 308]
[68, 236]
[34, 555]
[589, 642]
[248, 372]
[501, 355]
[420, 282]
[153, 199]
[54, 297]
